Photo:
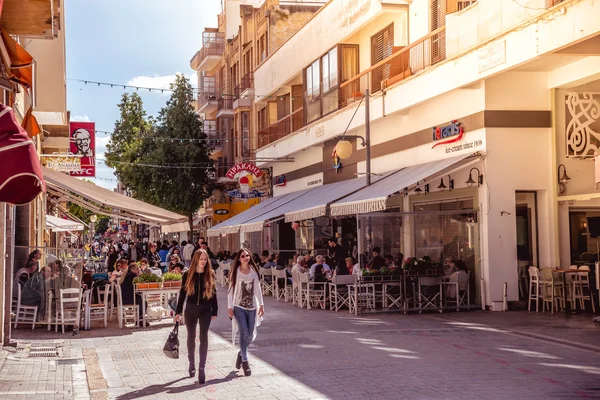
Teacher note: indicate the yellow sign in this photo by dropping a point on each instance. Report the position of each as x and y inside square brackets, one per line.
[224, 211]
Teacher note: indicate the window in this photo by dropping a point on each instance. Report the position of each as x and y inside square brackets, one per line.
[245, 134]
[382, 45]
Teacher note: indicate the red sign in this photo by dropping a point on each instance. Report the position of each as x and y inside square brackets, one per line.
[244, 167]
[455, 131]
[83, 143]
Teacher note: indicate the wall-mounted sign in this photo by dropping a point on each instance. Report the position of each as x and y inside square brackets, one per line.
[315, 182]
[83, 143]
[280, 181]
[62, 163]
[453, 133]
[246, 174]
[221, 212]
[492, 55]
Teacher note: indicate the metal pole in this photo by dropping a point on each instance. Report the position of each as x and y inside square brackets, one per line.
[368, 136]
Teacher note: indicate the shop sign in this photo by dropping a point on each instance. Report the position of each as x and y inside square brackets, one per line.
[246, 175]
[221, 212]
[280, 181]
[315, 182]
[62, 163]
[83, 143]
[448, 134]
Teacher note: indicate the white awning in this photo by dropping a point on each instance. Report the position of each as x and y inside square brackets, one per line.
[232, 225]
[107, 202]
[315, 204]
[62, 225]
[374, 198]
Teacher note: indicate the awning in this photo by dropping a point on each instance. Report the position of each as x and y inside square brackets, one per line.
[18, 62]
[232, 225]
[107, 202]
[175, 227]
[374, 198]
[62, 225]
[30, 124]
[21, 177]
[315, 204]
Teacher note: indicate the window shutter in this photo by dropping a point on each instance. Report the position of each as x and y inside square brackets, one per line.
[452, 6]
[382, 45]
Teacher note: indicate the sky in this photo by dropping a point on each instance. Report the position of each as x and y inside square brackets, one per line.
[130, 42]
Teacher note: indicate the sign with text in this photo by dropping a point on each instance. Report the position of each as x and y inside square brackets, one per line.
[247, 175]
[83, 143]
[448, 134]
[62, 163]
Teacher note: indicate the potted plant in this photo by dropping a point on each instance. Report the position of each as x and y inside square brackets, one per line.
[147, 281]
[171, 280]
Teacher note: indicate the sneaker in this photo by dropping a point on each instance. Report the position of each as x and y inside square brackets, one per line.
[238, 362]
[246, 367]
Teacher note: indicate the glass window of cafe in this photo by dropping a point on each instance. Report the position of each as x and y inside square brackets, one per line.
[446, 228]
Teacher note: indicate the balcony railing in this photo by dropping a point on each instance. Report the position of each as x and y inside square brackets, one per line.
[208, 89]
[210, 128]
[225, 102]
[281, 128]
[404, 62]
[213, 44]
[247, 83]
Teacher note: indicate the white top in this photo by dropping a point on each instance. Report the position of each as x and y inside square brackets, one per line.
[326, 268]
[188, 252]
[247, 291]
[356, 270]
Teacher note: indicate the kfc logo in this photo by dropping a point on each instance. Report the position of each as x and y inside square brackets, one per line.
[83, 143]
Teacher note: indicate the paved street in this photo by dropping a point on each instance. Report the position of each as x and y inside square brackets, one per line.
[302, 354]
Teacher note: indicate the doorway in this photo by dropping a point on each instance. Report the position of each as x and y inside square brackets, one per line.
[527, 237]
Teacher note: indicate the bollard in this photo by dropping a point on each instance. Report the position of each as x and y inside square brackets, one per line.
[504, 297]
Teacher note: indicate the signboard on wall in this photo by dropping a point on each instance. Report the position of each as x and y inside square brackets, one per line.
[221, 212]
[62, 163]
[83, 143]
[248, 177]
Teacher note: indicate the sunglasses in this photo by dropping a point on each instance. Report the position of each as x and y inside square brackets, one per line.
[244, 256]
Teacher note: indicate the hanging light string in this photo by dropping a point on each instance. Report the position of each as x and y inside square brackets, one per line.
[163, 90]
[182, 140]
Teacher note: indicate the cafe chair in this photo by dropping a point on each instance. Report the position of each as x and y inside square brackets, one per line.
[25, 314]
[68, 308]
[534, 288]
[392, 295]
[552, 289]
[361, 296]
[267, 282]
[97, 311]
[457, 291]
[581, 288]
[338, 291]
[125, 312]
[282, 289]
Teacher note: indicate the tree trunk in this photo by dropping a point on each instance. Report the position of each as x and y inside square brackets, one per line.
[191, 231]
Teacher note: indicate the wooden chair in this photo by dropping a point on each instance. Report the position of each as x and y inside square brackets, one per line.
[125, 312]
[553, 289]
[68, 308]
[25, 314]
[284, 291]
[581, 288]
[98, 311]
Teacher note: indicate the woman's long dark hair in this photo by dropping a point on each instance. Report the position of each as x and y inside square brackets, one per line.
[208, 275]
[33, 254]
[236, 264]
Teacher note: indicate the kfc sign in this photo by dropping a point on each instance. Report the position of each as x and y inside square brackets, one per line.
[83, 143]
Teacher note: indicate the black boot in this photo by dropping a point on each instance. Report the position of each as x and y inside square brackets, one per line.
[238, 362]
[192, 369]
[201, 376]
[246, 367]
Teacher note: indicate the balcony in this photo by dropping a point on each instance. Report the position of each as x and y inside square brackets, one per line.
[244, 92]
[213, 45]
[207, 96]
[405, 61]
[31, 18]
[281, 128]
[225, 105]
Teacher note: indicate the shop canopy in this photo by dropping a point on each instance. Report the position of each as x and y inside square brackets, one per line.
[107, 202]
[232, 225]
[62, 225]
[316, 202]
[374, 198]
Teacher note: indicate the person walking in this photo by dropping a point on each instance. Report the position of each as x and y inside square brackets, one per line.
[201, 307]
[244, 296]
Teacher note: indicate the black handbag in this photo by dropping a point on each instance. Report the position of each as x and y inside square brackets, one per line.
[171, 348]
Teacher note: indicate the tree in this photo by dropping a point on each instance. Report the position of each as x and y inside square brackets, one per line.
[173, 174]
[83, 214]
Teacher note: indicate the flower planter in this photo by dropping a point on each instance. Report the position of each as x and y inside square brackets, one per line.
[172, 284]
[149, 285]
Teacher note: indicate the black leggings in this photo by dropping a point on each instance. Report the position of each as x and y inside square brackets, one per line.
[194, 314]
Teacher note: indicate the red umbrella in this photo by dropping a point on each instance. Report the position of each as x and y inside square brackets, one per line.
[21, 178]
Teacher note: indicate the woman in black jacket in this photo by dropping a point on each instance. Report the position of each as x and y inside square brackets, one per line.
[112, 258]
[201, 307]
[153, 257]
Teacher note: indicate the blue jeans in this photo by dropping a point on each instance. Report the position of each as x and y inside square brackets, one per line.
[245, 320]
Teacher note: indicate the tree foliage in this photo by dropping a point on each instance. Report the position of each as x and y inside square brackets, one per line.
[138, 146]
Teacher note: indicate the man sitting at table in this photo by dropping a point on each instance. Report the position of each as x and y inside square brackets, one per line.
[300, 265]
[377, 262]
[320, 261]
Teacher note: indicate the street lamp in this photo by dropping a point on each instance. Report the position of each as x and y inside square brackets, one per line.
[93, 219]
[343, 148]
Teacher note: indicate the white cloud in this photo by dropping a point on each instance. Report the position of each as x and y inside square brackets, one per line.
[81, 118]
[159, 81]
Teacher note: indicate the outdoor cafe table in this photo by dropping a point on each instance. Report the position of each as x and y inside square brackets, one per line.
[564, 273]
[146, 293]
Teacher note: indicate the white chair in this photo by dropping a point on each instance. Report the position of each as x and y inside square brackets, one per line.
[534, 288]
[317, 294]
[338, 291]
[295, 287]
[68, 308]
[26, 314]
[125, 312]
[457, 289]
[429, 293]
[98, 311]
[284, 291]
[579, 284]
[267, 282]
[225, 277]
[303, 290]
[392, 295]
[552, 289]
[361, 296]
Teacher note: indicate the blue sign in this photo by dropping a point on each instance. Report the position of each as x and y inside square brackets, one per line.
[250, 195]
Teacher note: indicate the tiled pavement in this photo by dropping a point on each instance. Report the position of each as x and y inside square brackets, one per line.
[302, 354]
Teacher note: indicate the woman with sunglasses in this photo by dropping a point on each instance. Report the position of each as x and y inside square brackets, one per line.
[244, 302]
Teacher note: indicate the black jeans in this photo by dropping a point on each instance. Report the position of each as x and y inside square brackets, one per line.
[193, 315]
